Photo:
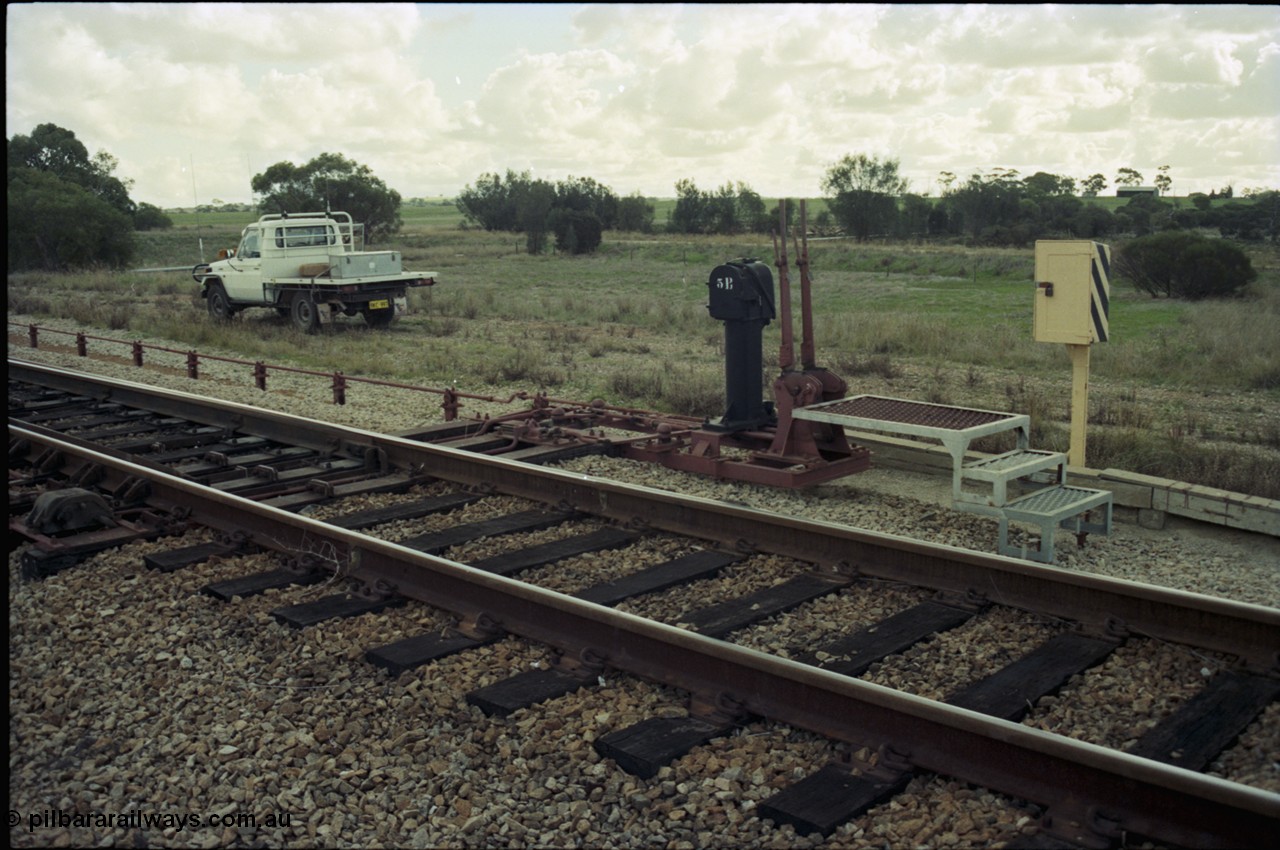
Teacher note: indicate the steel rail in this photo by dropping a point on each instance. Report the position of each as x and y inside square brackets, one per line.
[1079, 782]
[1100, 605]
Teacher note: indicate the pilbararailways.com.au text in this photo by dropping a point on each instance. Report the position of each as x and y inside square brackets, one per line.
[62, 819]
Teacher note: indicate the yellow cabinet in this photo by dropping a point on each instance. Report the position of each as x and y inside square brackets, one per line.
[1073, 292]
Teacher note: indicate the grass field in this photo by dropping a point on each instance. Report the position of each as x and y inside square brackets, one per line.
[1188, 391]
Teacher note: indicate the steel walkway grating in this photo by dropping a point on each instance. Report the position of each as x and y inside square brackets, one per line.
[1056, 502]
[1048, 508]
[912, 412]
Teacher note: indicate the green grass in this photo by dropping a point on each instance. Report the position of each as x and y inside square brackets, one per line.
[629, 324]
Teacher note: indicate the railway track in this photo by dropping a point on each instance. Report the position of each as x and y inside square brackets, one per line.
[165, 461]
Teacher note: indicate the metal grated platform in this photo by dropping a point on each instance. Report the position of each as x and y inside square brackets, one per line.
[1056, 503]
[954, 427]
[1015, 461]
[1040, 467]
[1065, 506]
[903, 412]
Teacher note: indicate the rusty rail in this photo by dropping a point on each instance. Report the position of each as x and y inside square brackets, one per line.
[1100, 604]
[1074, 779]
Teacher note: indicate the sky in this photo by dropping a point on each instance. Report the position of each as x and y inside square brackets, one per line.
[195, 99]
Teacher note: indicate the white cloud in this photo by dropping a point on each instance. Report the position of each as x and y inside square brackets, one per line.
[639, 96]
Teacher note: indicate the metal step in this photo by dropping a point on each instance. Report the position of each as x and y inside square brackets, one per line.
[1018, 463]
[1055, 503]
[1049, 508]
[1001, 469]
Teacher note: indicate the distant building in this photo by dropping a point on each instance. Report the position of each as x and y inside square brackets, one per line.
[1136, 191]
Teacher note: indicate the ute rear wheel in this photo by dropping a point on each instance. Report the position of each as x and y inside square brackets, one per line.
[304, 313]
[220, 309]
[379, 318]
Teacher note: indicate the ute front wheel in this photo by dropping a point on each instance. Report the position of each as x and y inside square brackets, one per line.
[304, 313]
[219, 305]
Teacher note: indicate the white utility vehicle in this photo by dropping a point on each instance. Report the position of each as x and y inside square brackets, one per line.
[310, 268]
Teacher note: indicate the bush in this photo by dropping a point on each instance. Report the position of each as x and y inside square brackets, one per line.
[55, 224]
[576, 232]
[151, 217]
[1177, 264]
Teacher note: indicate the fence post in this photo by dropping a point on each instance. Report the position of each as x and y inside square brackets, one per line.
[339, 388]
[260, 375]
[82, 344]
[193, 365]
[32, 334]
[137, 352]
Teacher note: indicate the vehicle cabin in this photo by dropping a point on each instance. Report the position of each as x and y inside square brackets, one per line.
[285, 244]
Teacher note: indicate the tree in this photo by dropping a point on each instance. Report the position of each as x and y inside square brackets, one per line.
[330, 181]
[577, 231]
[151, 217]
[776, 214]
[491, 204]
[1179, 264]
[1059, 213]
[1251, 221]
[57, 151]
[1128, 177]
[722, 211]
[576, 210]
[56, 224]
[584, 195]
[914, 217]
[862, 193]
[1143, 214]
[1092, 221]
[753, 213]
[1093, 186]
[534, 201]
[1042, 184]
[985, 204]
[692, 208]
[635, 214]
[66, 209]
[733, 208]
[1163, 181]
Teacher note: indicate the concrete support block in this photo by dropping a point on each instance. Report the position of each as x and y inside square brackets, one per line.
[1152, 519]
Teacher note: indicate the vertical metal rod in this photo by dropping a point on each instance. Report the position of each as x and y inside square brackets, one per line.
[806, 305]
[786, 354]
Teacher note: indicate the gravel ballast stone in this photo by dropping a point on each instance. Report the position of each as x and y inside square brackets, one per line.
[134, 694]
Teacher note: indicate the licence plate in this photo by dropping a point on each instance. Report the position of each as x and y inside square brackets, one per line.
[379, 305]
